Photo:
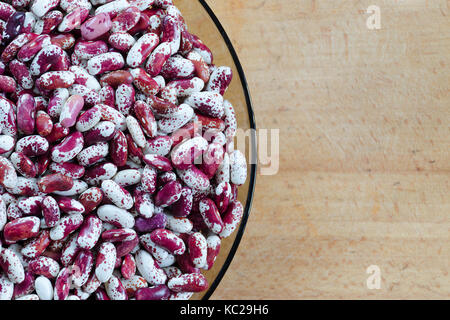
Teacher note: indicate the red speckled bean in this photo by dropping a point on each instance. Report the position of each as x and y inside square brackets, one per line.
[115, 216]
[57, 101]
[91, 97]
[82, 267]
[12, 266]
[106, 95]
[208, 103]
[212, 158]
[144, 82]
[116, 78]
[125, 98]
[71, 110]
[93, 154]
[177, 67]
[41, 7]
[160, 145]
[149, 269]
[21, 73]
[89, 233]
[183, 207]
[110, 114]
[146, 118]
[51, 20]
[68, 148]
[14, 46]
[128, 267]
[159, 292]
[211, 215]
[194, 178]
[126, 20]
[22, 228]
[119, 149]
[91, 198]
[44, 123]
[7, 84]
[148, 180]
[200, 48]
[213, 247]
[201, 68]
[168, 240]
[101, 132]
[70, 250]
[35, 248]
[24, 165]
[30, 205]
[56, 80]
[55, 182]
[72, 170]
[118, 195]
[194, 282]
[66, 226]
[23, 186]
[231, 218]
[69, 205]
[142, 49]
[157, 221]
[42, 164]
[82, 77]
[7, 143]
[62, 285]
[105, 62]
[73, 19]
[64, 41]
[168, 194]
[144, 205]
[88, 49]
[197, 249]
[13, 26]
[183, 155]
[106, 259]
[115, 290]
[50, 211]
[161, 255]
[158, 58]
[171, 33]
[96, 26]
[26, 114]
[118, 235]
[222, 196]
[50, 56]
[6, 11]
[121, 41]
[23, 289]
[220, 80]
[100, 172]
[30, 49]
[44, 266]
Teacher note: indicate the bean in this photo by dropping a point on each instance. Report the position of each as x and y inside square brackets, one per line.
[117, 169]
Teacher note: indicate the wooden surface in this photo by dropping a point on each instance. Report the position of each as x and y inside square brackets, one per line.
[364, 155]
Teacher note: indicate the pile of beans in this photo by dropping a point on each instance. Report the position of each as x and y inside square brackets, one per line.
[118, 177]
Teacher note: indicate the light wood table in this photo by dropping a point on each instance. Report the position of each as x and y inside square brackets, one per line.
[364, 173]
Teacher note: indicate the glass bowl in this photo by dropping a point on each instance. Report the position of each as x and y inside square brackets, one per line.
[202, 22]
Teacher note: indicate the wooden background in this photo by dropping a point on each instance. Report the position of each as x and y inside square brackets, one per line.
[364, 148]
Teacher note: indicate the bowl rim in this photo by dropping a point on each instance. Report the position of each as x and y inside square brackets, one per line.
[253, 152]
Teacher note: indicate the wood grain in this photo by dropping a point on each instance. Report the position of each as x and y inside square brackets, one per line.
[364, 155]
